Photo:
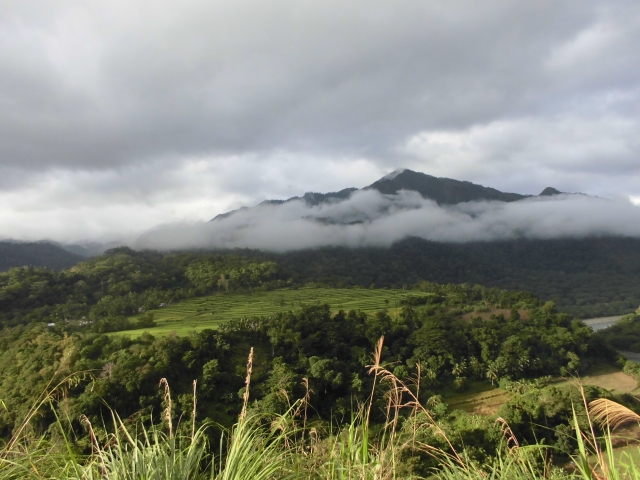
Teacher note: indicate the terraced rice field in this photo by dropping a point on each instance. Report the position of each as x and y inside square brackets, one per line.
[211, 311]
[487, 401]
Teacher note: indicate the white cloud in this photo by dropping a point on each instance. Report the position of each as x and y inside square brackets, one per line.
[371, 219]
[571, 153]
[68, 205]
[588, 46]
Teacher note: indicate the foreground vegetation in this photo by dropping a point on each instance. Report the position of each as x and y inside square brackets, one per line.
[438, 338]
[287, 445]
[397, 414]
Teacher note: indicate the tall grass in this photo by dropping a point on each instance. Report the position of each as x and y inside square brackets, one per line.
[265, 447]
[146, 454]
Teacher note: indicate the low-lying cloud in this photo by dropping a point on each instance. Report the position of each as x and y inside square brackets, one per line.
[369, 218]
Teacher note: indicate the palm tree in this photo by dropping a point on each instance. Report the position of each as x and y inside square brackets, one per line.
[492, 372]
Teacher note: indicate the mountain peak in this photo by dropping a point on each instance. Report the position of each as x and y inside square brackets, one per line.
[549, 191]
[441, 190]
[394, 174]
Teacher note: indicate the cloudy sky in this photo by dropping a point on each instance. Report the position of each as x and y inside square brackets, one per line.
[120, 115]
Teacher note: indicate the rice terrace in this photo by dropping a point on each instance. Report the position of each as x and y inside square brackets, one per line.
[213, 310]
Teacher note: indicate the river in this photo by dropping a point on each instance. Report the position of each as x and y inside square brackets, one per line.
[601, 323]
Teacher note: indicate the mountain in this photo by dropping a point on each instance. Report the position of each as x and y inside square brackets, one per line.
[549, 192]
[88, 249]
[444, 191]
[314, 198]
[441, 190]
[36, 254]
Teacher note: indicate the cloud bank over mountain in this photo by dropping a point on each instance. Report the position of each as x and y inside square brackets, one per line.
[119, 115]
[369, 218]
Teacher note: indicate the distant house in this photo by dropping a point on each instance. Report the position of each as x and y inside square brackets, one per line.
[51, 325]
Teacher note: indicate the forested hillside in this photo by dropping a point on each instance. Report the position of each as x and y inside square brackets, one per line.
[39, 254]
[107, 289]
[585, 277]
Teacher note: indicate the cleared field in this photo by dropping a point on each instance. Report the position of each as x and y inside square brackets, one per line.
[484, 399]
[609, 378]
[209, 312]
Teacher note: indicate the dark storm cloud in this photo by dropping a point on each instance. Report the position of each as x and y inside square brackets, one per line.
[106, 83]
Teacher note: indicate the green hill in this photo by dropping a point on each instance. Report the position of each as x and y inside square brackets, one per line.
[36, 254]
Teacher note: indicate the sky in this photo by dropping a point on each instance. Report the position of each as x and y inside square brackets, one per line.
[120, 116]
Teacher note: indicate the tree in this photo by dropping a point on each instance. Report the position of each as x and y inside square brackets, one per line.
[492, 372]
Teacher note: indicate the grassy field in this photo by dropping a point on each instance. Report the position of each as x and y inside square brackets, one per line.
[485, 399]
[481, 398]
[209, 312]
[609, 378]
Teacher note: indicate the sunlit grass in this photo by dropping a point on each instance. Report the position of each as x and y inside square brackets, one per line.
[608, 377]
[210, 311]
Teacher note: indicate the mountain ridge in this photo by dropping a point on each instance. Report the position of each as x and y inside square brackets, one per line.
[442, 190]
